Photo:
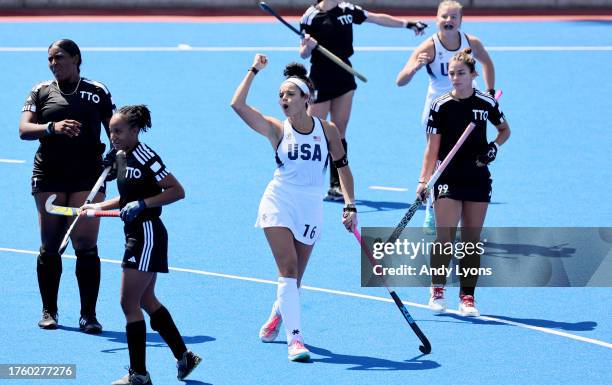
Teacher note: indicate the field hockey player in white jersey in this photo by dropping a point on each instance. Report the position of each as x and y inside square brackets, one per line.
[291, 209]
[434, 54]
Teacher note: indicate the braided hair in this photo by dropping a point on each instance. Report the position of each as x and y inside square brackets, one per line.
[137, 116]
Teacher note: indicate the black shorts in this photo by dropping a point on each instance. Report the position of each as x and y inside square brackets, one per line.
[146, 246]
[331, 83]
[42, 183]
[473, 191]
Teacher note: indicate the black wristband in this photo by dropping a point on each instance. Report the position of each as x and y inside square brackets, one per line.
[349, 209]
[491, 91]
[50, 130]
[254, 70]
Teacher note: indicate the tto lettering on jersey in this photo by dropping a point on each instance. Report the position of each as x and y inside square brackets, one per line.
[132, 173]
[304, 151]
[90, 96]
[345, 19]
[480, 114]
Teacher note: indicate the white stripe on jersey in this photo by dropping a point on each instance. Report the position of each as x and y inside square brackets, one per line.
[142, 153]
[486, 97]
[39, 85]
[147, 246]
[148, 150]
[161, 175]
[439, 101]
[138, 156]
[97, 84]
[309, 15]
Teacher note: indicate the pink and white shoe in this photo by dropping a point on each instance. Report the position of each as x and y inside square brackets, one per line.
[269, 330]
[467, 307]
[437, 302]
[298, 352]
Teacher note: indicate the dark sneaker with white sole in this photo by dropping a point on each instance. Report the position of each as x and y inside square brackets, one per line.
[48, 320]
[185, 365]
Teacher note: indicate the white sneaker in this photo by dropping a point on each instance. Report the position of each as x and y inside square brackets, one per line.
[297, 351]
[269, 330]
[437, 302]
[467, 307]
[132, 378]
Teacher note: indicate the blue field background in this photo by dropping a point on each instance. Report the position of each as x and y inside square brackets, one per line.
[553, 172]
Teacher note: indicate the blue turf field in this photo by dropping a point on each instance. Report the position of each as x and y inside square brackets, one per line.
[554, 171]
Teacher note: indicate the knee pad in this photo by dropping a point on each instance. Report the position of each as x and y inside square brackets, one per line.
[87, 253]
[46, 257]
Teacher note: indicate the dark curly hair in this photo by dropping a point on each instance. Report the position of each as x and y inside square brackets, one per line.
[296, 70]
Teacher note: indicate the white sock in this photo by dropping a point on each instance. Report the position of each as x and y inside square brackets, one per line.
[288, 299]
[276, 308]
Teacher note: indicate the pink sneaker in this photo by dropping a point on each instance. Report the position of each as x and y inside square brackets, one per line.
[270, 329]
[466, 306]
[298, 352]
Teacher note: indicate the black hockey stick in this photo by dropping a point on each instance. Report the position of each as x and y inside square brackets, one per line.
[425, 348]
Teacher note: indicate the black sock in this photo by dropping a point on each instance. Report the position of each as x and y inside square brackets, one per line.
[468, 281]
[161, 321]
[49, 272]
[88, 276]
[136, 333]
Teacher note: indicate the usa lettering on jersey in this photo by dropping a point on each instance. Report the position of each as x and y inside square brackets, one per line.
[304, 151]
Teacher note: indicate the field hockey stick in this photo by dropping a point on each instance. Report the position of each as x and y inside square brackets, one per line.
[90, 197]
[266, 8]
[425, 348]
[432, 181]
[75, 211]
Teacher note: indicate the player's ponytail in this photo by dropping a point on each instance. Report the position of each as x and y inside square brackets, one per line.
[465, 57]
[137, 116]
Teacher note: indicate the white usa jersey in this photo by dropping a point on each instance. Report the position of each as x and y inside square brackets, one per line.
[302, 158]
[439, 83]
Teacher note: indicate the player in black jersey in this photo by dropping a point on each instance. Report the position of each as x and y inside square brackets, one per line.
[144, 186]
[463, 191]
[66, 115]
[330, 23]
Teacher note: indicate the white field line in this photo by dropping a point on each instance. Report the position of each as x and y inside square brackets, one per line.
[187, 48]
[16, 161]
[386, 188]
[350, 294]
